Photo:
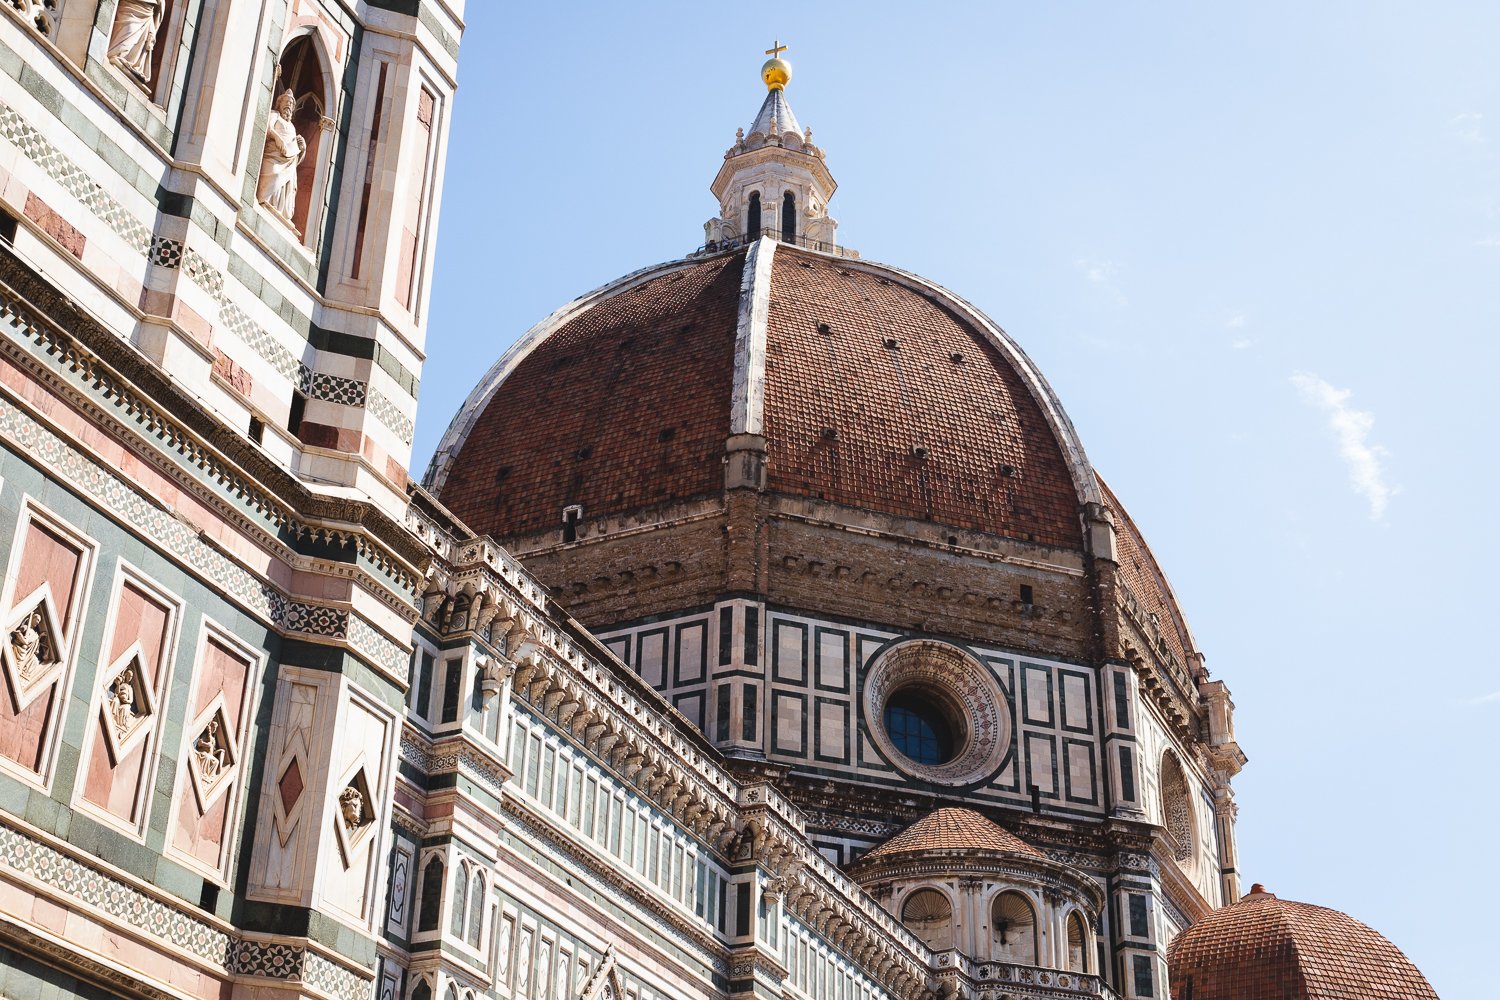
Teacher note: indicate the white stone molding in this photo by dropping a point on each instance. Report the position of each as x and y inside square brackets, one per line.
[747, 405]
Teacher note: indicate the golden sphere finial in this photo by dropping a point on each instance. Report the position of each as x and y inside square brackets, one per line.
[776, 71]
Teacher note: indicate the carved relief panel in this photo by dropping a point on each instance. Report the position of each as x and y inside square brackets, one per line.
[130, 692]
[45, 593]
[206, 803]
[356, 802]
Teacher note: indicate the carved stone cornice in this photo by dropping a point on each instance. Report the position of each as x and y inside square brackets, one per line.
[130, 392]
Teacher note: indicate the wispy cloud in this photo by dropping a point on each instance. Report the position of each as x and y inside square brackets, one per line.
[1485, 699]
[1237, 321]
[1351, 428]
[1101, 274]
[1467, 126]
[1241, 343]
[1488, 241]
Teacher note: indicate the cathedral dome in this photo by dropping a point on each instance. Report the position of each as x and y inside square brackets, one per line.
[1265, 948]
[855, 384]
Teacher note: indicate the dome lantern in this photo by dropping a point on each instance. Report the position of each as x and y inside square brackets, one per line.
[774, 181]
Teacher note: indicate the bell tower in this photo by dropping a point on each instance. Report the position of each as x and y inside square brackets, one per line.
[774, 181]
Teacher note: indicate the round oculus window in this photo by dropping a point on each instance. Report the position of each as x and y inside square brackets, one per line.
[937, 713]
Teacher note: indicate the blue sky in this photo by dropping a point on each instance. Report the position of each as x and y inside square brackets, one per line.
[1253, 247]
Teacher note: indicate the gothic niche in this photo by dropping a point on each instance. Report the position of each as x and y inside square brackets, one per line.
[132, 40]
[32, 650]
[128, 704]
[1177, 810]
[294, 135]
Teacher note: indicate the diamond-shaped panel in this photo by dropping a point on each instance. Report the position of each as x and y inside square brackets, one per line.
[290, 786]
[214, 756]
[32, 652]
[128, 704]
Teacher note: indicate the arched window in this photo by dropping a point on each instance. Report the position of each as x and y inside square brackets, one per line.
[460, 899]
[789, 216]
[292, 164]
[452, 993]
[752, 218]
[432, 896]
[928, 914]
[1177, 810]
[1077, 943]
[476, 911]
[421, 991]
[1013, 929]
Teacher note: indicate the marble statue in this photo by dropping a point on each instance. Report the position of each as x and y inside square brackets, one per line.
[284, 152]
[133, 38]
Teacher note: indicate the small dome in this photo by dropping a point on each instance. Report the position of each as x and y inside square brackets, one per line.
[1264, 948]
[953, 829]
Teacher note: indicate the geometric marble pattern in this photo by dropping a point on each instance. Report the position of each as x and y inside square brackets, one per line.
[125, 501]
[332, 388]
[79, 365]
[97, 890]
[172, 253]
[387, 413]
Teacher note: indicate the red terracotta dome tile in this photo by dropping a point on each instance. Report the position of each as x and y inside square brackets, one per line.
[1265, 948]
[952, 829]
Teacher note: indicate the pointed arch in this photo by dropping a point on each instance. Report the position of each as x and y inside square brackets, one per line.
[473, 932]
[789, 216]
[460, 899]
[304, 71]
[752, 217]
[432, 895]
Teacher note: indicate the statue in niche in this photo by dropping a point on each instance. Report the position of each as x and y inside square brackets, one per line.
[210, 753]
[29, 647]
[133, 38]
[122, 704]
[285, 149]
[352, 808]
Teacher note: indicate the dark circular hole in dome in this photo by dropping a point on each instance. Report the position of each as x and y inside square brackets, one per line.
[921, 726]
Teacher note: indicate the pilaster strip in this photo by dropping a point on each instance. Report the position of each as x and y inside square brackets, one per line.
[174, 254]
[748, 405]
